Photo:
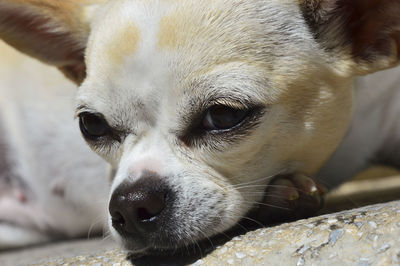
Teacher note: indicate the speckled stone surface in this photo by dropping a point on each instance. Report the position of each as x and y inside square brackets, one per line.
[364, 236]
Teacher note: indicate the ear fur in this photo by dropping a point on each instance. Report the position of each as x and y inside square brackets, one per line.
[53, 31]
[366, 31]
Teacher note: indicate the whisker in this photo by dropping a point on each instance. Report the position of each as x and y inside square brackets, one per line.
[107, 237]
[256, 180]
[268, 205]
[255, 192]
[235, 186]
[265, 186]
[185, 244]
[196, 242]
[246, 229]
[251, 186]
[252, 220]
[260, 179]
[268, 194]
[269, 186]
[208, 238]
[98, 220]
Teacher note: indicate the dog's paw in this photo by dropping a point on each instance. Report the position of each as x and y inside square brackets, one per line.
[15, 236]
[290, 197]
[22, 223]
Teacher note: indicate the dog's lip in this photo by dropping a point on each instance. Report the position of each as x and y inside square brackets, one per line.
[167, 252]
[138, 248]
[153, 251]
[137, 253]
[141, 247]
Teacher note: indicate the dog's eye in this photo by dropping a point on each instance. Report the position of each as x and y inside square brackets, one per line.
[220, 117]
[93, 126]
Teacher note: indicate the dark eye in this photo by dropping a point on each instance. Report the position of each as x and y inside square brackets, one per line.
[220, 117]
[93, 126]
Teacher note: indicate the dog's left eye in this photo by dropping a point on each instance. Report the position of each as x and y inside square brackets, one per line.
[93, 126]
[220, 117]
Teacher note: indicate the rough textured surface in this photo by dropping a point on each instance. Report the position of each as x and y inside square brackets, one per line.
[364, 236]
[357, 237]
[64, 249]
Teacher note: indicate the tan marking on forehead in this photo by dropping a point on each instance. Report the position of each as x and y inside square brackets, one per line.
[168, 32]
[123, 43]
[185, 24]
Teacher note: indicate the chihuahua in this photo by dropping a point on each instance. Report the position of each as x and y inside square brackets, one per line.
[210, 112]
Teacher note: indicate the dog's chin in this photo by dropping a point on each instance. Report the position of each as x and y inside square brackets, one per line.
[139, 248]
[142, 247]
[168, 242]
[164, 248]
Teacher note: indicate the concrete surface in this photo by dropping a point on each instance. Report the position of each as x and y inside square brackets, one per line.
[364, 236]
[64, 249]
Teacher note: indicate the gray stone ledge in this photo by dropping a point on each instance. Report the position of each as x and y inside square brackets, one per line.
[365, 236]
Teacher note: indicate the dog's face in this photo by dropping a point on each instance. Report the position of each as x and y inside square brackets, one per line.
[199, 104]
[200, 98]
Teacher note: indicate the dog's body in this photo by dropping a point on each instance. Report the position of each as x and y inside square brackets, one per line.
[198, 105]
[373, 136]
[51, 185]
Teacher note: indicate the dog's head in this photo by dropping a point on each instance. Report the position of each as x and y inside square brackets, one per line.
[198, 104]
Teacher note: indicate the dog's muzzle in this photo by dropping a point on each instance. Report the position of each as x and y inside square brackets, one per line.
[140, 209]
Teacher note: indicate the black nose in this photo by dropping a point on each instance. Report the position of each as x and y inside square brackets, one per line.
[137, 207]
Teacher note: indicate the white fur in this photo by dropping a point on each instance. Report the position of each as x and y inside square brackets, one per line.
[165, 82]
[48, 151]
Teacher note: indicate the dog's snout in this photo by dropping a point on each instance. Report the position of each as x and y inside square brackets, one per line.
[135, 207]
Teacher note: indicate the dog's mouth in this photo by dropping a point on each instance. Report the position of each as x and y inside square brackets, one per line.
[195, 226]
[151, 216]
[171, 236]
[181, 255]
[182, 252]
[159, 242]
[164, 252]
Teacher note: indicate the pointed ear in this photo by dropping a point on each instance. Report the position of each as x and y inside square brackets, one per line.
[367, 32]
[53, 31]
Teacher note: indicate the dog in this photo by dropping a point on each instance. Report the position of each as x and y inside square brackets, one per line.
[209, 112]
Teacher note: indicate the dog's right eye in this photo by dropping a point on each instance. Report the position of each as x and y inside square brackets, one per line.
[93, 126]
[220, 117]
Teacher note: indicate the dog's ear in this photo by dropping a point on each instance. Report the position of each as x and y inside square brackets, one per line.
[53, 31]
[365, 31]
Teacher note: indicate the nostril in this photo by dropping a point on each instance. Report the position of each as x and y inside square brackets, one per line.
[143, 215]
[117, 219]
[154, 205]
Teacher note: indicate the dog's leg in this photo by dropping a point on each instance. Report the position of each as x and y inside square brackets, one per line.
[12, 236]
[61, 199]
[65, 204]
[51, 185]
[22, 219]
[19, 222]
[16, 211]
